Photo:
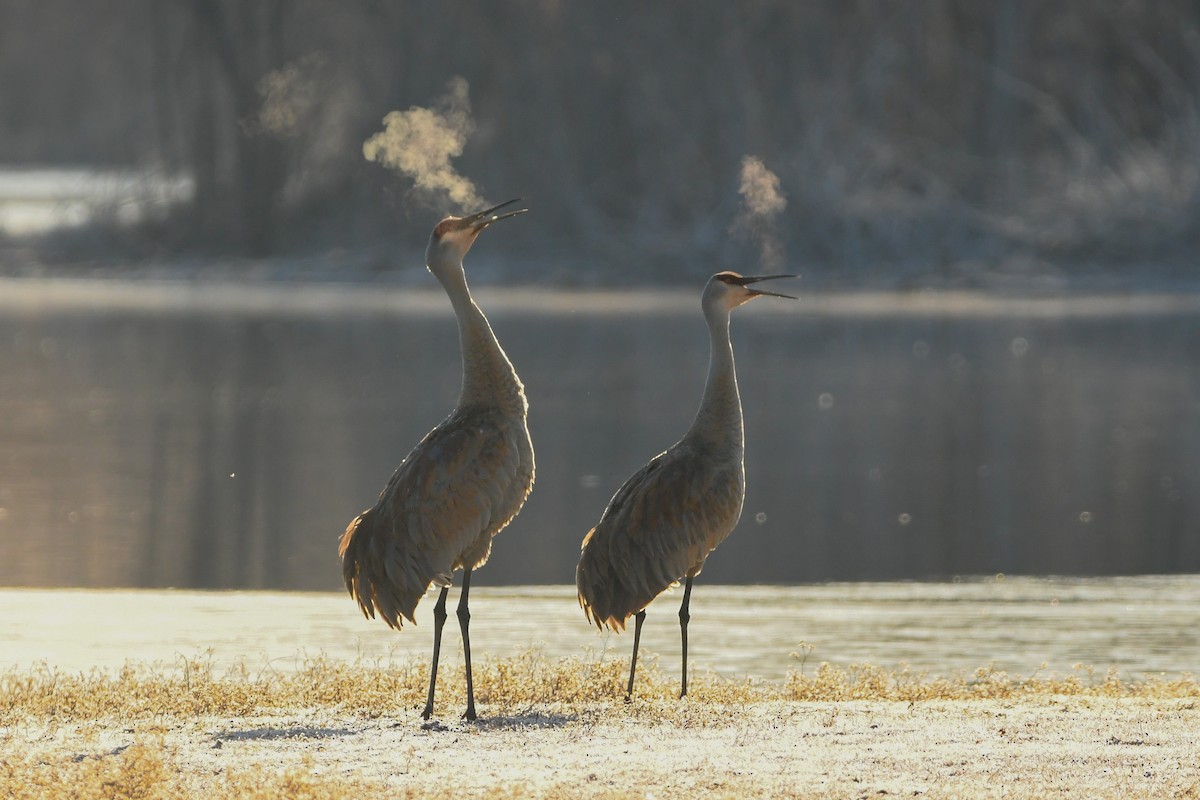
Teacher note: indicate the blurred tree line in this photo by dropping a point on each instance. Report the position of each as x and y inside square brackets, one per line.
[941, 138]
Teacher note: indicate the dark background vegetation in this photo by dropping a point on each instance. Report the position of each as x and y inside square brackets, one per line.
[942, 141]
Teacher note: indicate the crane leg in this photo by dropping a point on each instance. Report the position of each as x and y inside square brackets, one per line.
[637, 637]
[684, 616]
[464, 622]
[439, 619]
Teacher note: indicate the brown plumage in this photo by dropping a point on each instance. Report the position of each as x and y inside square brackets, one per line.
[657, 530]
[460, 486]
[663, 522]
[457, 489]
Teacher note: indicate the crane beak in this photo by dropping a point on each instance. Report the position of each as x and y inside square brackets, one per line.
[481, 219]
[746, 281]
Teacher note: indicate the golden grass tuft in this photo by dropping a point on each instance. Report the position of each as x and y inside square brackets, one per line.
[868, 682]
[195, 686]
[147, 772]
[138, 772]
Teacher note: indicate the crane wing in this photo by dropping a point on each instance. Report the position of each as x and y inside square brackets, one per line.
[658, 528]
[457, 488]
[462, 482]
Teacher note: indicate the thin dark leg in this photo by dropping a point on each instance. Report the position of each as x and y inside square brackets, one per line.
[439, 619]
[637, 637]
[464, 622]
[684, 616]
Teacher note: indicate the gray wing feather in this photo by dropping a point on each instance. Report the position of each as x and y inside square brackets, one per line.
[457, 488]
[659, 527]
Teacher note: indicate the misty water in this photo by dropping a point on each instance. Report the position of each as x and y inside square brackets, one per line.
[1136, 625]
[221, 436]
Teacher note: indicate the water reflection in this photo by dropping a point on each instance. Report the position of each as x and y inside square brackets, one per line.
[156, 435]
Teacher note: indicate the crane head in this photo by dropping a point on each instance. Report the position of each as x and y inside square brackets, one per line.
[453, 236]
[732, 289]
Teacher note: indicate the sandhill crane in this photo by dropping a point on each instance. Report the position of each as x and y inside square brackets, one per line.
[663, 522]
[460, 485]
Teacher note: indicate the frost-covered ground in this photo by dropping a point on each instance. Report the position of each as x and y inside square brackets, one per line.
[1050, 747]
[556, 725]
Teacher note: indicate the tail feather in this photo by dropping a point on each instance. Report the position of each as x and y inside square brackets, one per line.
[604, 595]
[381, 574]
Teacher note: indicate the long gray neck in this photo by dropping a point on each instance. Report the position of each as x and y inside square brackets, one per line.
[488, 375]
[719, 420]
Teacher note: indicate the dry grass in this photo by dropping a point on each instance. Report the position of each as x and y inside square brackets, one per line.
[866, 682]
[146, 731]
[506, 687]
[147, 772]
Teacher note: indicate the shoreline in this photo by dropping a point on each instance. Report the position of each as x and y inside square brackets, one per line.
[323, 298]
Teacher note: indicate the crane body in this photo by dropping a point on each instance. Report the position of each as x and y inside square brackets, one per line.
[663, 522]
[460, 486]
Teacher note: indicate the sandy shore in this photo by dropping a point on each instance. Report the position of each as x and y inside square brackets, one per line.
[1056, 747]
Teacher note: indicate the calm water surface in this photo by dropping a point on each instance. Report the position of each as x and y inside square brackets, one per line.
[1138, 625]
[221, 436]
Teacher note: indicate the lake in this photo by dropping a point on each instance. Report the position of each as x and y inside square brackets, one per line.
[1140, 626]
[215, 435]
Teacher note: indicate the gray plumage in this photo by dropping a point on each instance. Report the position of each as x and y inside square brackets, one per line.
[658, 529]
[458, 488]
